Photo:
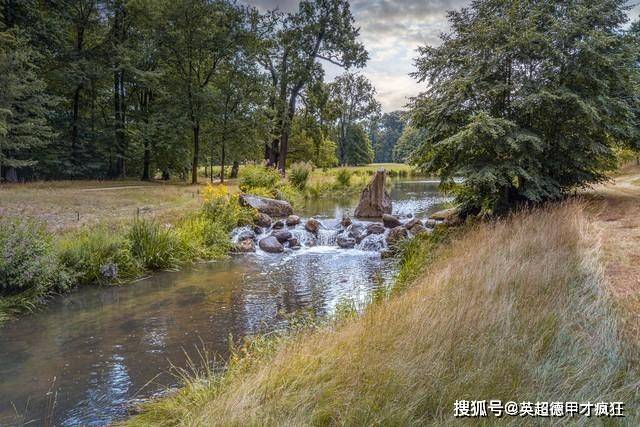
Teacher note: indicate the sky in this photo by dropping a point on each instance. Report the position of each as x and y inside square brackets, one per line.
[392, 30]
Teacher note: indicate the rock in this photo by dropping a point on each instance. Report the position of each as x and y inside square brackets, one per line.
[387, 253]
[293, 243]
[443, 214]
[396, 235]
[246, 245]
[273, 207]
[282, 235]
[410, 224]
[409, 215]
[278, 225]
[346, 242]
[346, 221]
[430, 223]
[271, 244]
[390, 221]
[109, 271]
[257, 230]
[246, 235]
[357, 231]
[418, 228]
[312, 225]
[292, 220]
[374, 199]
[263, 220]
[373, 242]
[375, 228]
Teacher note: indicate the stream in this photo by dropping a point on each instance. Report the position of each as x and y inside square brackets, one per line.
[90, 356]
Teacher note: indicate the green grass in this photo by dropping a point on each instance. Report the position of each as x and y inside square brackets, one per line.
[511, 310]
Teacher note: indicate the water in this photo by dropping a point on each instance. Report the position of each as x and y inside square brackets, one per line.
[90, 355]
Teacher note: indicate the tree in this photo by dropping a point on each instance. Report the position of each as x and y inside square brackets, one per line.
[196, 36]
[358, 150]
[354, 97]
[319, 30]
[24, 105]
[385, 134]
[527, 100]
[411, 139]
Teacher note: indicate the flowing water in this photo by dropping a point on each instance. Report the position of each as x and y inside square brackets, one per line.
[89, 356]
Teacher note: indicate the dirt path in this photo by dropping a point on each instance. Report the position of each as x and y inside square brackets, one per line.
[617, 211]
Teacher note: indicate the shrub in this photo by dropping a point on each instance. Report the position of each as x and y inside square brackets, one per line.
[156, 246]
[98, 257]
[204, 238]
[343, 177]
[299, 174]
[224, 209]
[252, 176]
[27, 261]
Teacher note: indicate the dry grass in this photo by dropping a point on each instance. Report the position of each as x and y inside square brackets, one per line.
[516, 310]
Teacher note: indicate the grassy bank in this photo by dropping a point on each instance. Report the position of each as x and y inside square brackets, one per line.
[515, 310]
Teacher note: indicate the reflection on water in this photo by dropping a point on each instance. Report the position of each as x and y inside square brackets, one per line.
[95, 351]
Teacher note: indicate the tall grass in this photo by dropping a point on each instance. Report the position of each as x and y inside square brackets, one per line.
[514, 310]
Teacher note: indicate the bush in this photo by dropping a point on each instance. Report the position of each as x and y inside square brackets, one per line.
[224, 209]
[299, 174]
[343, 177]
[253, 176]
[204, 238]
[27, 261]
[157, 246]
[98, 257]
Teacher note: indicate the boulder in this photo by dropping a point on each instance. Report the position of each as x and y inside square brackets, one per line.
[293, 243]
[273, 207]
[282, 235]
[271, 244]
[346, 242]
[430, 223]
[374, 199]
[312, 225]
[263, 220]
[246, 235]
[375, 228]
[278, 225]
[443, 214]
[390, 221]
[357, 231]
[410, 224]
[396, 235]
[346, 221]
[292, 220]
[247, 245]
[257, 230]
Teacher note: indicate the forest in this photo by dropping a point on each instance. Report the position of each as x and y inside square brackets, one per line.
[142, 88]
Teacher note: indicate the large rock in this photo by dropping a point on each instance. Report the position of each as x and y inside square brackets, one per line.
[374, 200]
[410, 224]
[357, 231]
[282, 235]
[346, 242]
[390, 221]
[278, 225]
[312, 225]
[246, 245]
[292, 220]
[443, 214]
[263, 220]
[271, 244]
[294, 243]
[273, 207]
[430, 223]
[375, 228]
[346, 221]
[418, 229]
[396, 235]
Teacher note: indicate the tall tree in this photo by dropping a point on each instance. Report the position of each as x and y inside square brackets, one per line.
[319, 30]
[354, 98]
[196, 37]
[385, 135]
[527, 99]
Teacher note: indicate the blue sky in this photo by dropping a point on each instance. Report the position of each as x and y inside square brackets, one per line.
[391, 31]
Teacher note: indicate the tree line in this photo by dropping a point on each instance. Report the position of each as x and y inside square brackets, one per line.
[139, 88]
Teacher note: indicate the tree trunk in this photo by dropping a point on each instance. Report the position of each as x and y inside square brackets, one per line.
[286, 130]
[196, 152]
[147, 161]
[222, 159]
[234, 169]
[75, 117]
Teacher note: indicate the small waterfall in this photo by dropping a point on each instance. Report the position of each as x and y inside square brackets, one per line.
[327, 237]
[373, 242]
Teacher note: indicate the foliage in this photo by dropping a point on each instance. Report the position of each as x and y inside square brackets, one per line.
[258, 176]
[410, 140]
[27, 260]
[357, 147]
[98, 256]
[299, 174]
[157, 246]
[527, 100]
[385, 134]
[343, 177]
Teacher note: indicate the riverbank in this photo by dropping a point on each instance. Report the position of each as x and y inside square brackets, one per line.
[536, 318]
[60, 235]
